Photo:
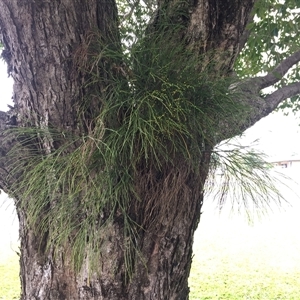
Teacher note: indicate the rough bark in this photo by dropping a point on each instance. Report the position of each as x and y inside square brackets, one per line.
[260, 105]
[217, 28]
[46, 43]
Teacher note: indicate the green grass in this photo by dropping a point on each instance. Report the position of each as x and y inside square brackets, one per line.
[9, 276]
[230, 271]
[234, 260]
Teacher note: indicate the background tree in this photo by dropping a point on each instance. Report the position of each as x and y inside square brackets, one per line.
[109, 144]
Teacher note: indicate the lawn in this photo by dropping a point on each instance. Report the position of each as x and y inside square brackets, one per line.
[233, 259]
[9, 277]
[236, 261]
[9, 261]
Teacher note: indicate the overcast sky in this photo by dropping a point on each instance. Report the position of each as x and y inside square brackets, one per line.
[278, 135]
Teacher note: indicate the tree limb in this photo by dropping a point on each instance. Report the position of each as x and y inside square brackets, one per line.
[248, 93]
[256, 105]
[278, 72]
[261, 106]
[274, 99]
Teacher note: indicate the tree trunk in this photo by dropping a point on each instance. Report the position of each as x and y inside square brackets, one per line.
[47, 46]
[160, 269]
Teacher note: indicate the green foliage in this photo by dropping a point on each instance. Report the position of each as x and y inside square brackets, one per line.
[242, 174]
[274, 35]
[134, 17]
[167, 115]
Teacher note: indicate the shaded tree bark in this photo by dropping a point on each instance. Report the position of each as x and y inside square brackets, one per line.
[46, 43]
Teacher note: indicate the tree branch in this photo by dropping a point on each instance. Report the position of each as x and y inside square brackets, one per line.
[274, 99]
[261, 106]
[256, 106]
[279, 71]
